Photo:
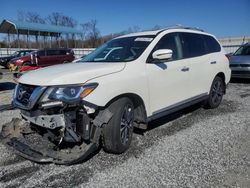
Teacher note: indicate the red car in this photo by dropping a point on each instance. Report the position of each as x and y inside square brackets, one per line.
[41, 58]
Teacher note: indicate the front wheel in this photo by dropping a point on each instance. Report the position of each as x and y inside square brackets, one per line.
[117, 134]
[216, 93]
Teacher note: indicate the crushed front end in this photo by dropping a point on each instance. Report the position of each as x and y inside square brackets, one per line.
[57, 125]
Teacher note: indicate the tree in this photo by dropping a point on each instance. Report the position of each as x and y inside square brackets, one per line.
[93, 32]
[34, 17]
[57, 18]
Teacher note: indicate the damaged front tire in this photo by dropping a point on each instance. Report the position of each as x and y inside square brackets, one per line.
[117, 134]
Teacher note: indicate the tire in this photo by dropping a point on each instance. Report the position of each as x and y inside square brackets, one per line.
[117, 134]
[65, 62]
[26, 64]
[216, 93]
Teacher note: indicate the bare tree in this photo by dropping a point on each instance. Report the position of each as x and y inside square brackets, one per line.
[93, 32]
[34, 17]
[69, 21]
[21, 15]
[133, 29]
[57, 18]
[85, 30]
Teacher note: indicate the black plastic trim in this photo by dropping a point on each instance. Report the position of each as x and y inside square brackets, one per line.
[178, 106]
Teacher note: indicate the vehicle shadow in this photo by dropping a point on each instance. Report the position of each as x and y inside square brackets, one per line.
[4, 86]
[169, 118]
[240, 80]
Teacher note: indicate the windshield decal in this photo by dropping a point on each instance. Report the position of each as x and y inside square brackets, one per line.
[144, 39]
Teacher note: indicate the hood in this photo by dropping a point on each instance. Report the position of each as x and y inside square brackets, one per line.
[15, 59]
[240, 59]
[71, 73]
[6, 57]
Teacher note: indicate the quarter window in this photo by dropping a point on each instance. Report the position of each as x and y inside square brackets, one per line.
[211, 44]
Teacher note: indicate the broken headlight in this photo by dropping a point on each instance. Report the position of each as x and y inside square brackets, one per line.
[68, 94]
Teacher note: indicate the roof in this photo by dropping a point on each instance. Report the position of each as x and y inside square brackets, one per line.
[156, 32]
[10, 26]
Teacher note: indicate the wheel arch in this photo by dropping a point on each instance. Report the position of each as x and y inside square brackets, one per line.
[223, 77]
[139, 108]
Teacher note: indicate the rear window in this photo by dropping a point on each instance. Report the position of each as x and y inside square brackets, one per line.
[193, 45]
[211, 44]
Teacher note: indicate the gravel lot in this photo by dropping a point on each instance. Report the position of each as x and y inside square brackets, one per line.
[192, 148]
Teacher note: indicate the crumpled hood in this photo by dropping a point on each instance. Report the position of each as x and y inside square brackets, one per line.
[240, 59]
[71, 73]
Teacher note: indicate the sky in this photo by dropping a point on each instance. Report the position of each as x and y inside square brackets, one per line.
[223, 18]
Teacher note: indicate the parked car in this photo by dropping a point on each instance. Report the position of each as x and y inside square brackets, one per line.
[1, 75]
[79, 59]
[42, 58]
[73, 108]
[4, 60]
[240, 62]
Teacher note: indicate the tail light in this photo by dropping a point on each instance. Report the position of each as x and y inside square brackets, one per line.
[228, 57]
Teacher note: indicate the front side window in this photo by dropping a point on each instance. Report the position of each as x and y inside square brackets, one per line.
[120, 50]
[193, 45]
[172, 42]
[41, 53]
[243, 50]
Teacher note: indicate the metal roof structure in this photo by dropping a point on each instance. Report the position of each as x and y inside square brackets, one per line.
[17, 27]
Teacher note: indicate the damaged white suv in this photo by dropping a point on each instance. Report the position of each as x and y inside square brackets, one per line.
[68, 110]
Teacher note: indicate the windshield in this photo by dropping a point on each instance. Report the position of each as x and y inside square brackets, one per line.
[120, 50]
[243, 50]
[15, 53]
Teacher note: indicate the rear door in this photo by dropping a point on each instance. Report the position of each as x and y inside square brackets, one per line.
[194, 53]
[54, 56]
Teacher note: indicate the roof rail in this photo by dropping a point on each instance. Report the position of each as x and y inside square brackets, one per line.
[185, 27]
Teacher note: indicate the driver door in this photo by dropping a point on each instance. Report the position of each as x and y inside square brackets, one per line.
[167, 80]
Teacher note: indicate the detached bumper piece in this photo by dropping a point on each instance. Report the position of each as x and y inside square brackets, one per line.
[27, 142]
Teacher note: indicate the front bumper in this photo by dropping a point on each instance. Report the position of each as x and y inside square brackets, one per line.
[24, 141]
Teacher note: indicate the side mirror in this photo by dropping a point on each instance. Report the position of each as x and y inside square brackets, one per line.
[162, 54]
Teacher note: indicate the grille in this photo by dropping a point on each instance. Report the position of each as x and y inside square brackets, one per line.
[24, 93]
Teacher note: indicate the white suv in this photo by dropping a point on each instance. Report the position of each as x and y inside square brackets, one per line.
[125, 83]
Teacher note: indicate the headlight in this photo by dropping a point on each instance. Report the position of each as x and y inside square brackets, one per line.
[68, 94]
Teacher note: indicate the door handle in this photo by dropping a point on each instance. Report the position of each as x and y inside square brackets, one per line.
[213, 62]
[185, 69]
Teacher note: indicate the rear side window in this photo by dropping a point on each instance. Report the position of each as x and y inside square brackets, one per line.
[62, 52]
[41, 53]
[211, 44]
[193, 45]
[53, 52]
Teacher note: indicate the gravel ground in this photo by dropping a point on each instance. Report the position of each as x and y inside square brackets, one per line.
[192, 148]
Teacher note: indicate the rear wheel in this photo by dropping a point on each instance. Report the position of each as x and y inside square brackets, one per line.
[117, 134]
[216, 93]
